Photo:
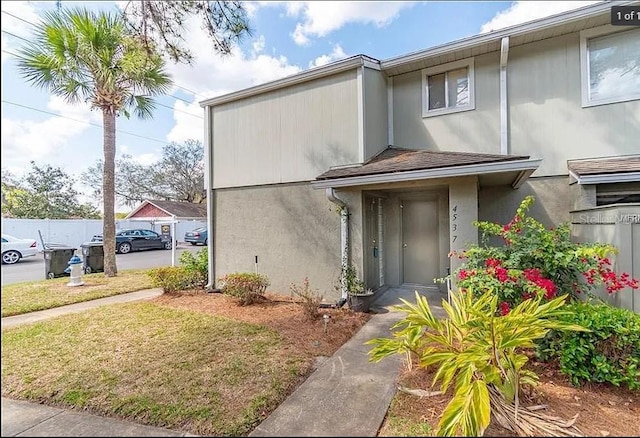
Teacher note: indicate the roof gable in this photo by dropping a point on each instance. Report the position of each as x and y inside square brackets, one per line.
[170, 209]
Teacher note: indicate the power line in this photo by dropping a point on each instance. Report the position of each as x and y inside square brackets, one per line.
[18, 18]
[83, 121]
[15, 36]
[157, 103]
[176, 109]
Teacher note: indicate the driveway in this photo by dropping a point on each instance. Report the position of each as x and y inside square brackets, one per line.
[32, 268]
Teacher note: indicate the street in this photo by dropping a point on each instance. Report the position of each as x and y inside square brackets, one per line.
[32, 268]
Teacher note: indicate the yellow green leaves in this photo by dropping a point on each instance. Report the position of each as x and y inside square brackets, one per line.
[473, 350]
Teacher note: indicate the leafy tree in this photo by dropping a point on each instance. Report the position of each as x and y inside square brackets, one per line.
[178, 176]
[163, 23]
[45, 193]
[85, 56]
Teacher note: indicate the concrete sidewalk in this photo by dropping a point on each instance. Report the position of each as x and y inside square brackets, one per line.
[348, 395]
[345, 396]
[147, 294]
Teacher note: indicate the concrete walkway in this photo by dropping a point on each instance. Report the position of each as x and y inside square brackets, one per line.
[147, 294]
[345, 396]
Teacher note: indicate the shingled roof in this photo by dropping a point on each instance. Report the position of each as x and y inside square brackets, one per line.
[180, 210]
[605, 165]
[395, 159]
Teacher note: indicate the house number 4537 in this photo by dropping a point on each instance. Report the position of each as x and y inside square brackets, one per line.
[454, 223]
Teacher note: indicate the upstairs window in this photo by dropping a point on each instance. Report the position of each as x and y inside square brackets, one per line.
[610, 65]
[448, 88]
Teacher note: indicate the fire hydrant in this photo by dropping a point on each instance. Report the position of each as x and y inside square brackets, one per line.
[75, 269]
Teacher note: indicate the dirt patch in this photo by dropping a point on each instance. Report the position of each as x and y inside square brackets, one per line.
[282, 314]
[603, 409]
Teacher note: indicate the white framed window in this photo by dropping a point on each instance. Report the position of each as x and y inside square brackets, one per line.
[609, 65]
[448, 88]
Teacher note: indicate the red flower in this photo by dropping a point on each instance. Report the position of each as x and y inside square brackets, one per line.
[504, 308]
[502, 275]
[492, 263]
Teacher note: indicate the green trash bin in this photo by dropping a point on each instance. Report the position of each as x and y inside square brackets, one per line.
[92, 257]
[56, 260]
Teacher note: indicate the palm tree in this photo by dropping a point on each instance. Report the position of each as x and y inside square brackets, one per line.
[87, 56]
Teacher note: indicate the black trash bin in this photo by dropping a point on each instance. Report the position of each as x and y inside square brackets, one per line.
[56, 260]
[92, 257]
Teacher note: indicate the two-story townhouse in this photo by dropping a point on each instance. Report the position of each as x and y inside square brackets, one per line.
[386, 164]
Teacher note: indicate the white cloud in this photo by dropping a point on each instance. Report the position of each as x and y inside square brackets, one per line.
[187, 126]
[213, 75]
[335, 55]
[322, 18]
[146, 159]
[523, 11]
[26, 11]
[42, 141]
[258, 45]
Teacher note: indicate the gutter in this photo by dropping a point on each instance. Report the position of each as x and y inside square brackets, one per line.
[604, 178]
[517, 30]
[344, 237]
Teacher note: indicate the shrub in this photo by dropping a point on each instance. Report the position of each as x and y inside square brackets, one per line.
[171, 278]
[311, 298]
[246, 286]
[197, 266]
[478, 352]
[536, 261]
[608, 352]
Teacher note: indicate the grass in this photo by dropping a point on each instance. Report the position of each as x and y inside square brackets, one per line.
[159, 366]
[31, 296]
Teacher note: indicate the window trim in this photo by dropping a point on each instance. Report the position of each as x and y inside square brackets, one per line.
[585, 80]
[443, 68]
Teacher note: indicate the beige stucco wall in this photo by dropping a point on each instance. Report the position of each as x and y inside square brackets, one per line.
[287, 135]
[463, 212]
[469, 131]
[554, 198]
[546, 117]
[292, 228]
[375, 112]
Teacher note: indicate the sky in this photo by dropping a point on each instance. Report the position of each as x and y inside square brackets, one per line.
[287, 38]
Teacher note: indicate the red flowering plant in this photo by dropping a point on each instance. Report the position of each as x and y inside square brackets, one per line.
[536, 261]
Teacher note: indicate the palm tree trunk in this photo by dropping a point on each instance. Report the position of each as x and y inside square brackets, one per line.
[108, 193]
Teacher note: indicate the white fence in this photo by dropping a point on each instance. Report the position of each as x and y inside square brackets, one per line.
[74, 232]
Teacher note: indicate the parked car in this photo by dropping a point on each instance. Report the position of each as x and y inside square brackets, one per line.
[14, 249]
[138, 240]
[197, 236]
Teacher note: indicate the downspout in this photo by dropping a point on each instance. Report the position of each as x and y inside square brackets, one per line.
[504, 114]
[208, 184]
[344, 238]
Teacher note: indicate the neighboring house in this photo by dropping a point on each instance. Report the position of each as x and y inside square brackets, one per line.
[168, 214]
[390, 162]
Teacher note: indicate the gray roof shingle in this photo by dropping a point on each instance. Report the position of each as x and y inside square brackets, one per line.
[394, 159]
[605, 165]
[182, 209]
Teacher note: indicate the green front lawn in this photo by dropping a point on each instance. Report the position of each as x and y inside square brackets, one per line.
[30, 296]
[154, 365]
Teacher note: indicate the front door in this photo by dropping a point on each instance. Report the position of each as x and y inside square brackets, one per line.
[420, 241]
